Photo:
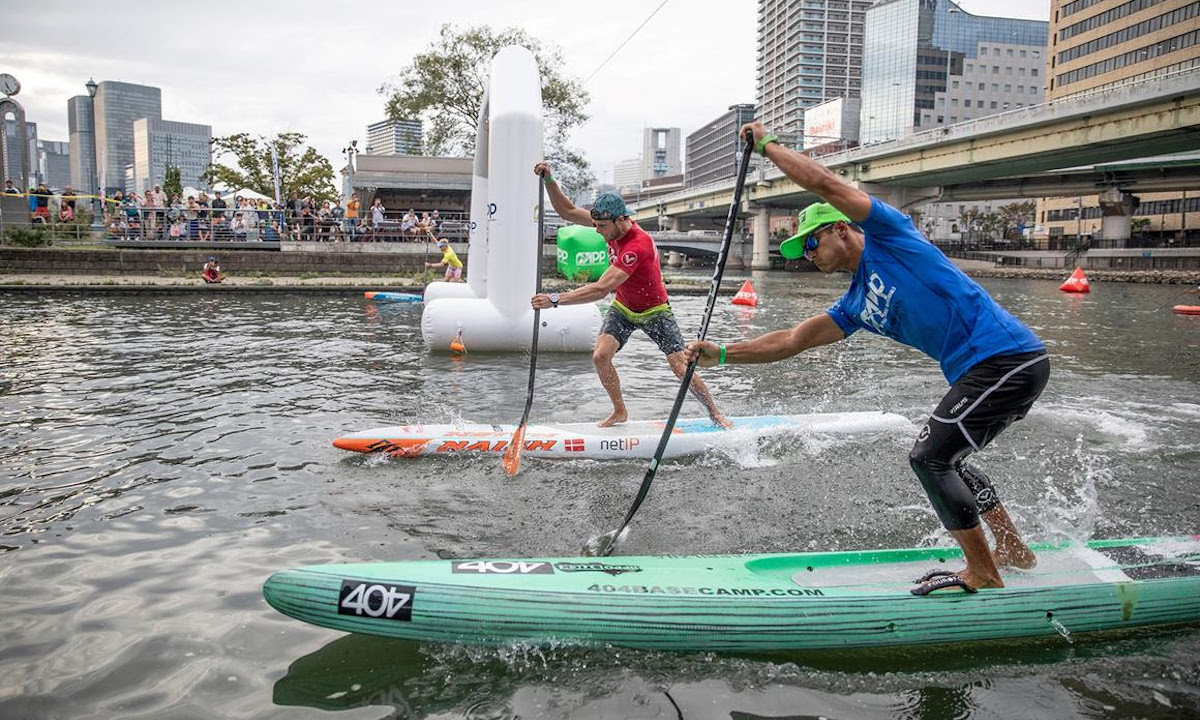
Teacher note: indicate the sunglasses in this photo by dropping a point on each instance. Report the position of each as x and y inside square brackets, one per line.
[812, 241]
[603, 215]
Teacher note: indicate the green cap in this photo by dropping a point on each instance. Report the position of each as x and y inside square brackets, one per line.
[809, 219]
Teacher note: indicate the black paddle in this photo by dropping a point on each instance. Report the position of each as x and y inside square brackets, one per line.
[512, 454]
[602, 546]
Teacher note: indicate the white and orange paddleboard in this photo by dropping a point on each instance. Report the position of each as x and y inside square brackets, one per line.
[638, 439]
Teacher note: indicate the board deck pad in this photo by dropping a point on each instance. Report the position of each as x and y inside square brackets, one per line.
[748, 602]
[636, 439]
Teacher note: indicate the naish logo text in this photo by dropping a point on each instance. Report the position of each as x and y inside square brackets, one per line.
[569, 567]
[876, 304]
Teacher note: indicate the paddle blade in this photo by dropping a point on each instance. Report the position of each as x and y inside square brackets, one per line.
[512, 454]
[602, 545]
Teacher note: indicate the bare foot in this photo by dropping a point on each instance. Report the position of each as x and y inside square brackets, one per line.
[969, 576]
[1015, 555]
[618, 417]
[721, 420]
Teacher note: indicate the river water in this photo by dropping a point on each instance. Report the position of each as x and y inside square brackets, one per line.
[161, 455]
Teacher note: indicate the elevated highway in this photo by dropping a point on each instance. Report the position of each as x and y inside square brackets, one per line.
[1087, 139]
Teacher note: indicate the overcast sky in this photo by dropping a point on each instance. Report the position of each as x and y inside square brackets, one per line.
[315, 67]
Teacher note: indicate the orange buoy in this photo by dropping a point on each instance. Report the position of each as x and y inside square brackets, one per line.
[1077, 283]
[456, 345]
[746, 295]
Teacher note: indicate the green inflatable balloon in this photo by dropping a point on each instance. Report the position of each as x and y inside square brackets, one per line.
[582, 253]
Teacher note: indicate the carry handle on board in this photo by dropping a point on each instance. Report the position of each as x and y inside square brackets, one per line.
[603, 546]
[512, 454]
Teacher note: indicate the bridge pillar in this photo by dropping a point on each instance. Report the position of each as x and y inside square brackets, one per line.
[760, 255]
[674, 259]
[1116, 209]
[901, 198]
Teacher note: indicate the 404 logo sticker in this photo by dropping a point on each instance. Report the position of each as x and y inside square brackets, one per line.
[503, 567]
[376, 600]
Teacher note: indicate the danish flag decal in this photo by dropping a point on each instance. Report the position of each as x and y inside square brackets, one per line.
[573, 445]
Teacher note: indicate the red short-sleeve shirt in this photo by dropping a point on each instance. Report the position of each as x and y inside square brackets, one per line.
[634, 253]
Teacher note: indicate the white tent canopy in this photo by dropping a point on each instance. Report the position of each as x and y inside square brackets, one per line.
[225, 193]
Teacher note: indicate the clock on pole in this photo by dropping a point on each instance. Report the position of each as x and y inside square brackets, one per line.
[9, 84]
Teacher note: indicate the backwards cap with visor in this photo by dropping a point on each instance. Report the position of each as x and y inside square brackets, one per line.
[809, 220]
[609, 206]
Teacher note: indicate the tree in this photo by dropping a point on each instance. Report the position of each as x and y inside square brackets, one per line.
[301, 169]
[173, 182]
[1015, 216]
[444, 87]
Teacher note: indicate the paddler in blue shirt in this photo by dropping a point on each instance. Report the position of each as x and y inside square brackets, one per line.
[904, 288]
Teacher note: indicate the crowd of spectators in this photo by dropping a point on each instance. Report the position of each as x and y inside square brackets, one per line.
[155, 216]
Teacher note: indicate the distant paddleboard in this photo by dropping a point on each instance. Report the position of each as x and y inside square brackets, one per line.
[637, 439]
[748, 603]
[1186, 309]
[392, 296]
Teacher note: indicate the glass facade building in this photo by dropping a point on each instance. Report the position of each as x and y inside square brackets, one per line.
[929, 63]
[117, 106]
[81, 136]
[13, 153]
[159, 144]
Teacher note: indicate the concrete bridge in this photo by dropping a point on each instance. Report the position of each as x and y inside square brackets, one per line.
[1089, 139]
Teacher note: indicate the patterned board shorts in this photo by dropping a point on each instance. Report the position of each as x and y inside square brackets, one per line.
[660, 327]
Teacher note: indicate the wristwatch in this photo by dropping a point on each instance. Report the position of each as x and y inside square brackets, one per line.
[553, 299]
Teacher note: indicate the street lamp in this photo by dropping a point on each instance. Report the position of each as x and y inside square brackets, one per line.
[351, 150]
[97, 204]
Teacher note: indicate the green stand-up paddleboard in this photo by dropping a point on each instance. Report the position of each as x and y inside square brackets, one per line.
[748, 603]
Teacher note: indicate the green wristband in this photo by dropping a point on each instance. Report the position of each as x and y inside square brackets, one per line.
[721, 357]
[761, 146]
[548, 179]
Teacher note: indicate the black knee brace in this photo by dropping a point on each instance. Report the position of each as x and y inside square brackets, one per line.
[981, 486]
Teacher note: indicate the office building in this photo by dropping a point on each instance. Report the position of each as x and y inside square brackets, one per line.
[661, 152]
[808, 52]
[929, 62]
[714, 151]
[81, 137]
[1096, 44]
[13, 154]
[395, 137]
[160, 144]
[627, 176]
[54, 163]
[117, 105]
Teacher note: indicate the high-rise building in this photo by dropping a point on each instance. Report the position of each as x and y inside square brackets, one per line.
[627, 176]
[660, 152]
[714, 151]
[808, 52]
[160, 144]
[81, 136]
[54, 163]
[395, 137]
[929, 62]
[117, 106]
[13, 154]
[1096, 44]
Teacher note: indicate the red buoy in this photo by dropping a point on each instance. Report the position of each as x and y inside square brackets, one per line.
[746, 295]
[1077, 283]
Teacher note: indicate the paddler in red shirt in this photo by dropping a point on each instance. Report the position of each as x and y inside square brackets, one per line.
[641, 300]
